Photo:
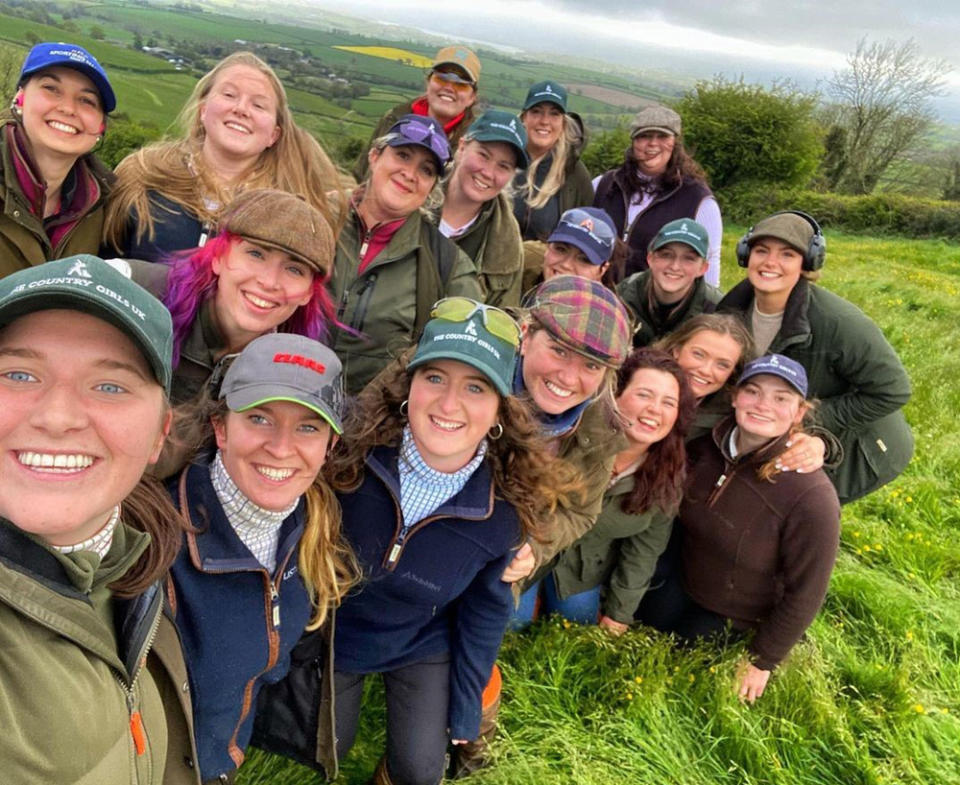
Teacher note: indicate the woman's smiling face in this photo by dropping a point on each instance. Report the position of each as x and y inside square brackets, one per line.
[555, 376]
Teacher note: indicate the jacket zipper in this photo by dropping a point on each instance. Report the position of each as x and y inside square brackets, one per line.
[722, 483]
[363, 302]
[137, 731]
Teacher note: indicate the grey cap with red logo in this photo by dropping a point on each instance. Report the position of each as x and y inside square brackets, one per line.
[286, 367]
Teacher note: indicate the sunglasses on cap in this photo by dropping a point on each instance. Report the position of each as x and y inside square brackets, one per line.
[460, 309]
[456, 81]
[422, 134]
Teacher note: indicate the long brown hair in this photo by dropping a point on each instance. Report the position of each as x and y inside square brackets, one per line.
[525, 474]
[722, 323]
[660, 479]
[680, 167]
[174, 168]
[148, 508]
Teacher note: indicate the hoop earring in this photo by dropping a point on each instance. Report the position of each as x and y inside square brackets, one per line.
[404, 407]
[499, 429]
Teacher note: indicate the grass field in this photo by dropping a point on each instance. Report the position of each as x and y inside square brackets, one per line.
[873, 696]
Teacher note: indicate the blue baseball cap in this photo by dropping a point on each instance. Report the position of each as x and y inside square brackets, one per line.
[588, 228]
[72, 56]
[792, 372]
[423, 131]
[497, 126]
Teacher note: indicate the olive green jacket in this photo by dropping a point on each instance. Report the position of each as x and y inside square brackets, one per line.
[75, 694]
[23, 238]
[618, 553]
[379, 307]
[590, 448]
[636, 292]
[493, 242]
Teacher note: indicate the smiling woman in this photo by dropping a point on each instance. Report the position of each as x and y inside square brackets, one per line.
[84, 369]
[239, 134]
[264, 560]
[53, 187]
[263, 272]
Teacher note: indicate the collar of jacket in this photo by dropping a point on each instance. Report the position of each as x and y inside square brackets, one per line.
[134, 619]
[721, 438]
[796, 323]
[620, 178]
[213, 544]
[204, 343]
[474, 502]
[404, 241]
[597, 431]
[496, 256]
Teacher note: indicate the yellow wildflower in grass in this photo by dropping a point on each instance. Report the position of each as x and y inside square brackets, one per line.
[909, 635]
[918, 708]
[638, 679]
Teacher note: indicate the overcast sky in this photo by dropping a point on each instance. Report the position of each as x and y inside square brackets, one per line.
[761, 38]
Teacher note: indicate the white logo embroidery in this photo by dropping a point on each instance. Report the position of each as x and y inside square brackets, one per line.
[470, 329]
[79, 269]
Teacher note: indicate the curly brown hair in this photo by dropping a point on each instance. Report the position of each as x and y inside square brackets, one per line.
[660, 479]
[525, 473]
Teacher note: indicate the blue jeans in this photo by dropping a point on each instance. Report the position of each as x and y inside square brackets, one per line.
[583, 608]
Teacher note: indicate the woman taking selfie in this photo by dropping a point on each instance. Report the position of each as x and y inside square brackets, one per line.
[52, 187]
[84, 375]
[239, 134]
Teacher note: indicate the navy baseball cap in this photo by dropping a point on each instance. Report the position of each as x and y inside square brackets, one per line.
[423, 131]
[588, 228]
[497, 126]
[792, 372]
[51, 54]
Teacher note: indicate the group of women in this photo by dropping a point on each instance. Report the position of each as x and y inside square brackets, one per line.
[361, 450]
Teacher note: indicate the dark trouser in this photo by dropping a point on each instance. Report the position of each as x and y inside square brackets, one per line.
[418, 702]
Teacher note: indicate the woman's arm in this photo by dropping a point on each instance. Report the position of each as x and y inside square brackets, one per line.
[809, 539]
[635, 565]
[708, 214]
[481, 619]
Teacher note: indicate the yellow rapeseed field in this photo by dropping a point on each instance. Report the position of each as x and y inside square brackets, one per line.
[390, 53]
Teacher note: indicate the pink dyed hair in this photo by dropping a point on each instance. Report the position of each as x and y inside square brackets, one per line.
[192, 282]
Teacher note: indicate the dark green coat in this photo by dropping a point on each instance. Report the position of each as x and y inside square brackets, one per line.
[493, 242]
[856, 376]
[635, 291]
[619, 553]
[380, 305]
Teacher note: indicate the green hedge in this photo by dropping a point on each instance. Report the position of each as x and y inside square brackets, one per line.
[877, 214]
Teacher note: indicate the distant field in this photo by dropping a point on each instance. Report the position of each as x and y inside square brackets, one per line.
[608, 95]
[390, 53]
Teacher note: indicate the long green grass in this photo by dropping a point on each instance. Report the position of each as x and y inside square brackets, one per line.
[872, 696]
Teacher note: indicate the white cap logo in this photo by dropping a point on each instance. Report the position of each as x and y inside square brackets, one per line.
[470, 329]
[79, 269]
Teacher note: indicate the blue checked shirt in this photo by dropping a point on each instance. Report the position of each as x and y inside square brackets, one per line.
[423, 489]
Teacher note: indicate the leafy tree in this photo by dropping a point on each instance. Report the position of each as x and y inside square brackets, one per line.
[31, 37]
[123, 136]
[881, 103]
[951, 185]
[742, 133]
[606, 149]
[97, 32]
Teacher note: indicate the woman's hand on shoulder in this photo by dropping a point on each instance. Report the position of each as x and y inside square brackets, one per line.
[751, 681]
[612, 626]
[521, 566]
[804, 454]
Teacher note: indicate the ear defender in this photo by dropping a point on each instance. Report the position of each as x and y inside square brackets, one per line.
[814, 255]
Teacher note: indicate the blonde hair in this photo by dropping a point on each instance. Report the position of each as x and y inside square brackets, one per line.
[175, 168]
[557, 173]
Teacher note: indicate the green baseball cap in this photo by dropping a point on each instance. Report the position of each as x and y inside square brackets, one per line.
[683, 230]
[470, 342]
[497, 126]
[90, 285]
[549, 92]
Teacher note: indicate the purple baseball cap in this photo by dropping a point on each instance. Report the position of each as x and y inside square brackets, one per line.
[422, 131]
[51, 54]
[792, 372]
[588, 228]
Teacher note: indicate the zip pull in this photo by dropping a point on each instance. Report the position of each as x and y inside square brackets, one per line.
[275, 603]
[136, 730]
[394, 553]
[722, 479]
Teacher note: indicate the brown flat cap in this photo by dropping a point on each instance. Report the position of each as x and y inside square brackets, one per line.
[281, 220]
